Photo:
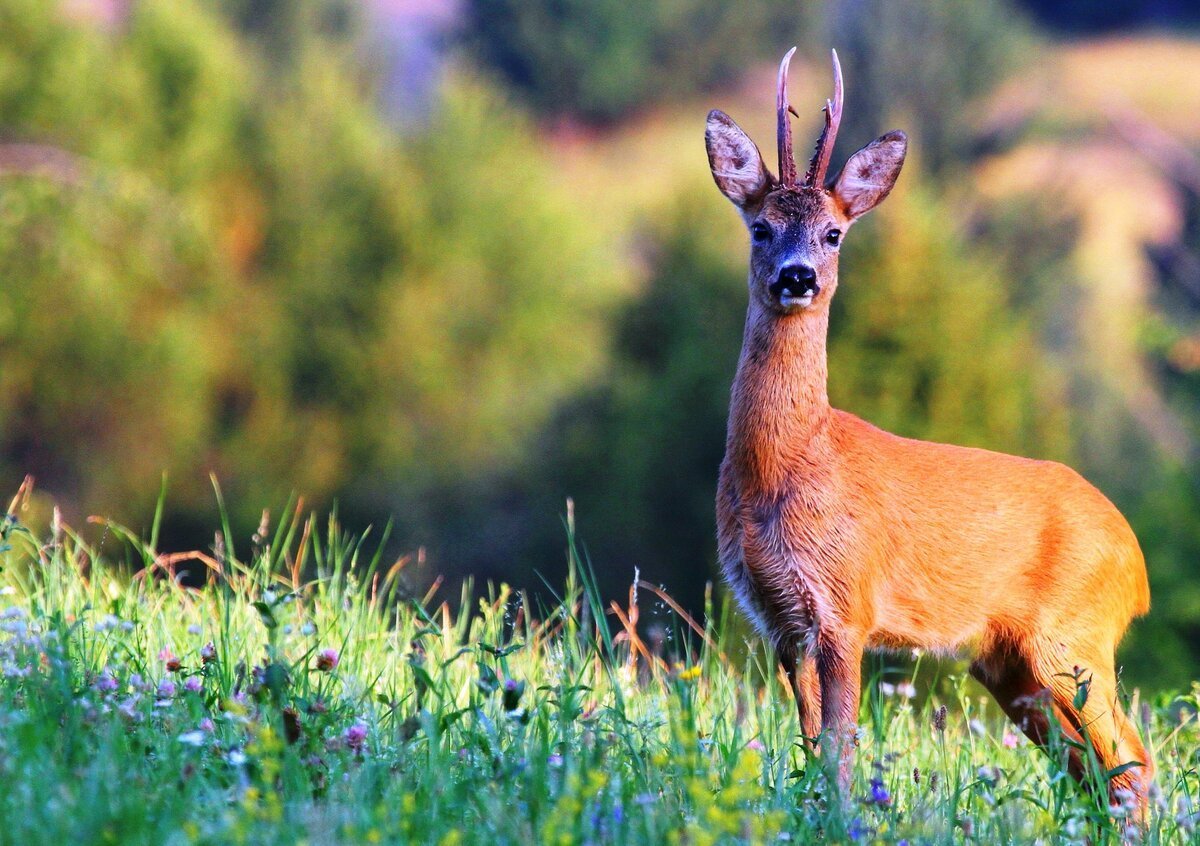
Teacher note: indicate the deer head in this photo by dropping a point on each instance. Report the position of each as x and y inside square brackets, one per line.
[796, 225]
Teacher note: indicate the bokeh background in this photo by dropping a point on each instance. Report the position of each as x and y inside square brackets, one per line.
[446, 264]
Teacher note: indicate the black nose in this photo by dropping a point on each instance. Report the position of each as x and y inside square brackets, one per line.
[797, 280]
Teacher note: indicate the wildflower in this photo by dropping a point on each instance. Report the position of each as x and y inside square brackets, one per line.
[879, 794]
[170, 660]
[512, 694]
[308, 629]
[917, 776]
[127, 626]
[128, 709]
[555, 760]
[194, 684]
[755, 745]
[194, 629]
[690, 674]
[977, 727]
[1010, 740]
[208, 653]
[14, 627]
[192, 738]
[327, 660]
[166, 689]
[236, 757]
[1186, 815]
[887, 688]
[269, 597]
[206, 725]
[989, 775]
[907, 690]
[105, 683]
[356, 736]
[939, 718]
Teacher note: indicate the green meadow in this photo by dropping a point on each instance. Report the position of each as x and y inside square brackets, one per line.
[288, 689]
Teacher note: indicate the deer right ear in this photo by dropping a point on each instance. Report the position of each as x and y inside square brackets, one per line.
[737, 165]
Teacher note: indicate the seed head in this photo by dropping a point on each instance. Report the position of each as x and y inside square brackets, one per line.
[939, 718]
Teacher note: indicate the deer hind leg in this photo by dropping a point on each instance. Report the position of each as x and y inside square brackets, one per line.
[1011, 679]
[1100, 719]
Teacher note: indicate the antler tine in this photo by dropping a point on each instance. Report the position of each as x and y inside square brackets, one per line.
[833, 119]
[787, 164]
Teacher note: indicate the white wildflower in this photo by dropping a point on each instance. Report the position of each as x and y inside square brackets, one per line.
[192, 738]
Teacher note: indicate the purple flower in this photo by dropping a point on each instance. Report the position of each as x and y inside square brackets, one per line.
[105, 683]
[513, 690]
[879, 794]
[327, 660]
[194, 684]
[356, 736]
[166, 689]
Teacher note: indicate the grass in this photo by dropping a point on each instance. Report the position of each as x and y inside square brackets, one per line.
[301, 696]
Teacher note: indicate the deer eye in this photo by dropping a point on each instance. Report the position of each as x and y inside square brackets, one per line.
[833, 237]
[760, 232]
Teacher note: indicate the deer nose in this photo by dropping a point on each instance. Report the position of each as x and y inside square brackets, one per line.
[796, 280]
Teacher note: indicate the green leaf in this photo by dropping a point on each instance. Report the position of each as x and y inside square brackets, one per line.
[1124, 768]
[1081, 694]
[264, 611]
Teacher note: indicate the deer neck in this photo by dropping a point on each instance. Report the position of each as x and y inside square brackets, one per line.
[779, 401]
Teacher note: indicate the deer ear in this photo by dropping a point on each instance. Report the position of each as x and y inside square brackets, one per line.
[737, 165]
[869, 174]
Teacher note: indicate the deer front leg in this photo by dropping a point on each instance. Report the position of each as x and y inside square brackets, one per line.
[839, 667]
[806, 688]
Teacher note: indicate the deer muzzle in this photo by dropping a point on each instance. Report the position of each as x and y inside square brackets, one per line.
[796, 286]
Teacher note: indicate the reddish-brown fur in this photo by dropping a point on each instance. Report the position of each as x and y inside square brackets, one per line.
[840, 537]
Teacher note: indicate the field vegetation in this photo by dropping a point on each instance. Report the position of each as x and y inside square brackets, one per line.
[303, 695]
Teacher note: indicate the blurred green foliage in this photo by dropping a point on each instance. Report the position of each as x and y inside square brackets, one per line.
[602, 60]
[209, 266]
[923, 64]
[218, 253]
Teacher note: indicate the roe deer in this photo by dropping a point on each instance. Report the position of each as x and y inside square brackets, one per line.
[839, 537]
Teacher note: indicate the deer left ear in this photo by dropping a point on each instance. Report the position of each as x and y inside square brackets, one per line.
[869, 174]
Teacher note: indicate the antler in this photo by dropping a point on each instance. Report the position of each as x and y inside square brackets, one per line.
[787, 164]
[815, 177]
